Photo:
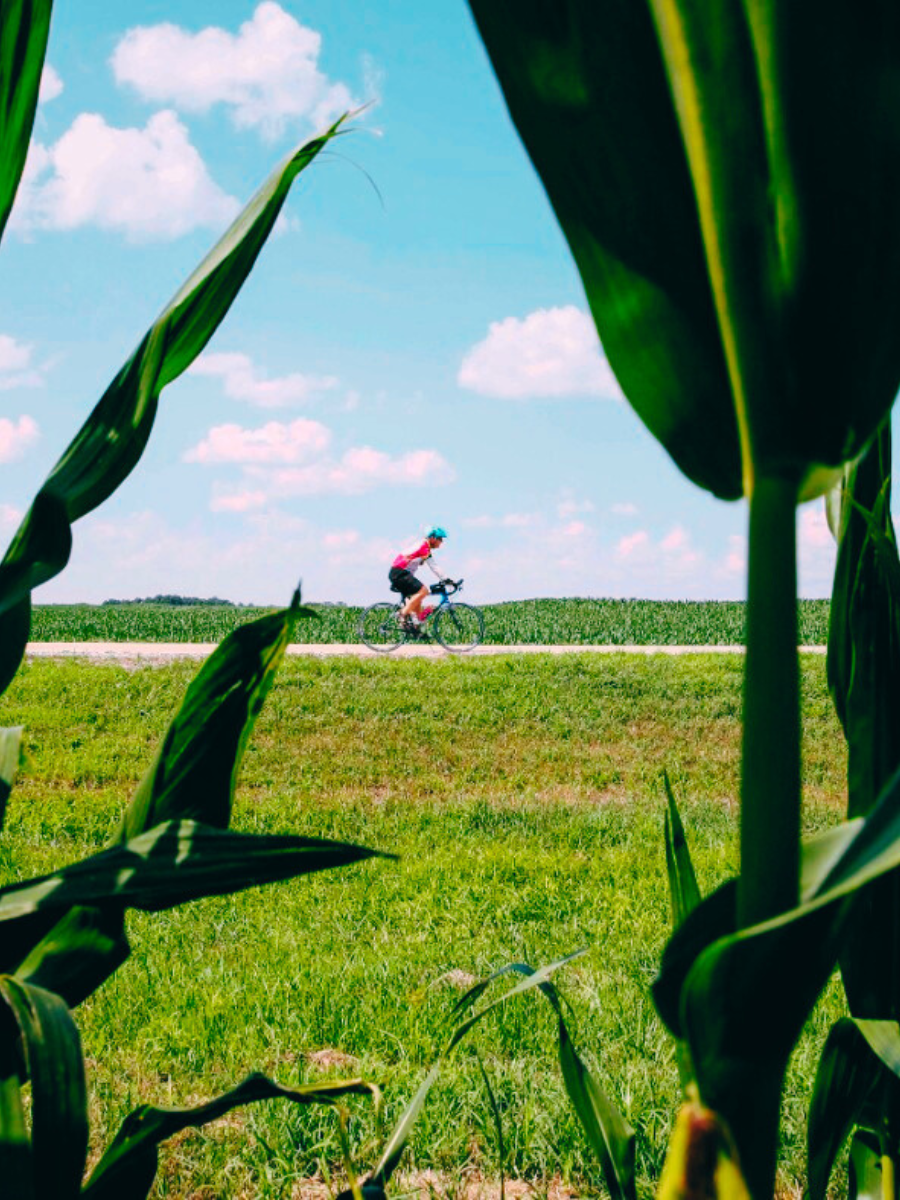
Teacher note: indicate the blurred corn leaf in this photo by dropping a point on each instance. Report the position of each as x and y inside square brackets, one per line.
[608, 1133]
[740, 997]
[10, 757]
[865, 1178]
[128, 1168]
[168, 865]
[863, 662]
[683, 890]
[710, 264]
[196, 767]
[111, 441]
[24, 28]
[41, 1045]
[701, 1159]
[859, 1060]
[864, 680]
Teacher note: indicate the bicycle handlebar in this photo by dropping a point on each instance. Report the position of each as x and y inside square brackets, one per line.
[448, 586]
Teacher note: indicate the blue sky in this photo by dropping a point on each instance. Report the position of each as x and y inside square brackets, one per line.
[412, 347]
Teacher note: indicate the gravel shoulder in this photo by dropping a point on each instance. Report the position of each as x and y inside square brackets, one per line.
[163, 652]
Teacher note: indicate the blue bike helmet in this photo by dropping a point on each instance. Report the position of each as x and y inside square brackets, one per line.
[436, 531]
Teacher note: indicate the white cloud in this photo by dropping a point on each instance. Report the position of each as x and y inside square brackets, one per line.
[272, 443]
[10, 517]
[513, 520]
[552, 352]
[736, 558]
[359, 470]
[286, 460]
[569, 506]
[242, 381]
[146, 183]
[341, 539]
[625, 509]
[633, 541]
[16, 437]
[267, 73]
[51, 85]
[244, 501]
[15, 365]
[816, 551]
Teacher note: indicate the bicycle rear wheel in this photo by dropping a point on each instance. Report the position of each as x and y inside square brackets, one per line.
[458, 627]
[379, 628]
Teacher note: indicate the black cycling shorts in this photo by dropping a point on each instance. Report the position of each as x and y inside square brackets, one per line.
[404, 582]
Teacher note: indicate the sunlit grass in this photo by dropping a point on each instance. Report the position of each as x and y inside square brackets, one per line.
[524, 799]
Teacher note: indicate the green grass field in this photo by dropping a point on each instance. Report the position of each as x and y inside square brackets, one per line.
[524, 800]
[522, 622]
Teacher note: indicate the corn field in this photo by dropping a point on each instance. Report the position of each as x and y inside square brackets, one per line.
[576, 622]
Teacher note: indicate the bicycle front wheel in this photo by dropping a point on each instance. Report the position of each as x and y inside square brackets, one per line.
[458, 627]
[379, 628]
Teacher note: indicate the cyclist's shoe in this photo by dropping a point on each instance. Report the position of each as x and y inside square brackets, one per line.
[410, 626]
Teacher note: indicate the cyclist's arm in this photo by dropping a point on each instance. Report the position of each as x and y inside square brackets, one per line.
[433, 569]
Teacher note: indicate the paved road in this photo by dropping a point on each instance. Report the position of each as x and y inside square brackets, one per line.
[161, 652]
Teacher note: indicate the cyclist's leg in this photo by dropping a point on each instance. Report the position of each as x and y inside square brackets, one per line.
[414, 603]
[408, 586]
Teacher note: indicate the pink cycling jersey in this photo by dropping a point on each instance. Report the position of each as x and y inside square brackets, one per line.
[411, 560]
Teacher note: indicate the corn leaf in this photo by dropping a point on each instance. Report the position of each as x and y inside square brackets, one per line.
[50, 1050]
[195, 770]
[129, 1166]
[76, 955]
[396, 1144]
[533, 979]
[112, 440]
[847, 1074]
[24, 28]
[587, 91]
[609, 1135]
[193, 776]
[10, 757]
[709, 265]
[169, 865]
[683, 890]
[15, 1146]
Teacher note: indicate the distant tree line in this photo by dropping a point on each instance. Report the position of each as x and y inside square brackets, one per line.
[182, 601]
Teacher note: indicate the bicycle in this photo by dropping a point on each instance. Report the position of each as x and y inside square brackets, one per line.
[456, 627]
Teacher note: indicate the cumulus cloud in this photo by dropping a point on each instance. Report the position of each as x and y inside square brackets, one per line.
[272, 443]
[267, 74]
[243, 381]
[16, 437]
[150, 184]
[513, 520]
[286, 460]
[51, 85]
[632, 542]
[570, 506]
[16, 369]
[553, 352]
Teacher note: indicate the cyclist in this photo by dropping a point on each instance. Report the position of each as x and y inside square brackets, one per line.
[403, 576]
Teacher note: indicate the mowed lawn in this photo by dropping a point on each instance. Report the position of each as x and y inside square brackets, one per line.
[524, 798]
